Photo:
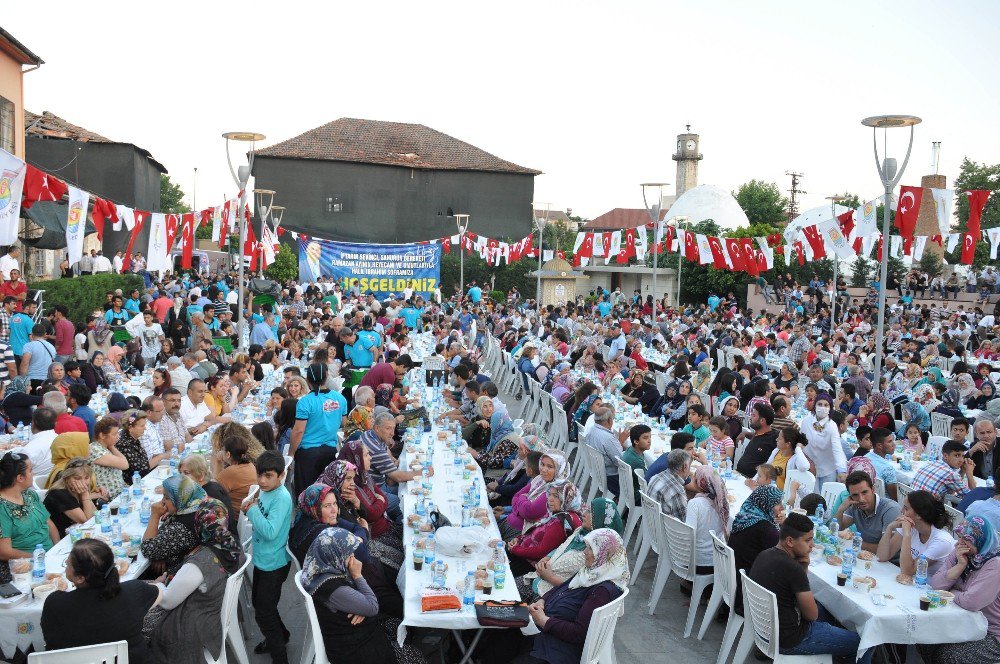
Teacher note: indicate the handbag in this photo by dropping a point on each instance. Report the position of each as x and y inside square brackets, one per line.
[497, 613]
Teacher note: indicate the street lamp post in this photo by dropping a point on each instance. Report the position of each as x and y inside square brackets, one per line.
[654, 216]
[836, 262]
[540, 223]
[264, 199]
[242, 177]
[462, 222]
[890, 178]
[676, 223]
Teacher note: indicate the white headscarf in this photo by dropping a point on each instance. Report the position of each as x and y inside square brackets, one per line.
[610, 560]
[539, 486]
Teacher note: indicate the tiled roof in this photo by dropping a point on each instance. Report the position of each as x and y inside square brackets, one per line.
[50, 125]
[390, 144]
[554, 215]
[620, 218]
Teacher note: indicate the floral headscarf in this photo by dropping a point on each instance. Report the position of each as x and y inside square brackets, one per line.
[327, 558]
[705, 368]
[926, 397]
[311, 499]
[864, 465]
[980, 533]
[711, 486]
[359, 419]
[353, 453]
[383, 395]
[100, 332]
[501, 426]
[965, 385]
[610, 561]
[916, 414]
[585, 406]
[759, 506]
[211, 523]
[335, 474]
[184, 493]
[878, 405]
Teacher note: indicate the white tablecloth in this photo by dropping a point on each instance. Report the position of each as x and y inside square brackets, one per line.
[446, 492]
[20, 625]
[900, 620]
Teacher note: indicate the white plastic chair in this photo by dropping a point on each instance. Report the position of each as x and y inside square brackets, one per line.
[934, 443]
[902, 491]
[231, 631]
[880, 487]
[652, 535]
[102, 653]
[831, 491]
[313, 647]
[760, 608]
[956, 517]
[599, 648]
[626, 498]
[806, 480]
[640, 480]
[598, 478]
[682, 541]
[940, 425]
[723, 590]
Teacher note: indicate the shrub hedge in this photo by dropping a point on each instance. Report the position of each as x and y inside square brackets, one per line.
[84, 295]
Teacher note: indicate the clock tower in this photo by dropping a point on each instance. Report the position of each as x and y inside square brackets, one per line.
[687, 158]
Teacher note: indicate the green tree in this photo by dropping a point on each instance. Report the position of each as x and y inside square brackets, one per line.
[972, 176]
[285, 265]
[762, 202]
[930, 263]
[861, 272]
[171, 196]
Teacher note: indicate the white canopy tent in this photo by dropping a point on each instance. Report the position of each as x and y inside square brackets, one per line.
[708, 202]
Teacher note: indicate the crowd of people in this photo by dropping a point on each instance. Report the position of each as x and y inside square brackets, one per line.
[794, 398]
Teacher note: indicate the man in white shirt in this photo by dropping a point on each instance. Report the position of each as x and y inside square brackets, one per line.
[39, 447]
[151, 441]
[118, 263]
[101, 264]
[179, 376]
[9, 262]
[194, 412]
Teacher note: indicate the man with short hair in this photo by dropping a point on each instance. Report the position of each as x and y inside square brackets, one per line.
[101, 264]
[151, 336]
[79, 404]
[802, 623]
[764, 441]
[883, 445]
[36, 357]
[179, 375]
[21, 324]
[602, 439]
[152, 444]
[667, 487]
[173, 432]
[65, 422]
[39, 447]
[944, 477]
[983, 450]
[866, 510]
[617, 345]
[195, 413]
[388, 373]
[65, 333]
[86, 263]
[782, 409]
[384, 467]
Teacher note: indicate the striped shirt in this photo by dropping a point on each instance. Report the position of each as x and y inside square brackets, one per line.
[382, 462]
[940, 479]
[6, 355]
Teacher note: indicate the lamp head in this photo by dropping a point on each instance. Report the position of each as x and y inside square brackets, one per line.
[890, 121]
[277, 212]
[243, 173]
[462, 222]
[245, 136]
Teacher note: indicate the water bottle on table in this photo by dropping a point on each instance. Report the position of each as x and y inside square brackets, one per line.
[429, 546]
[469, 592]
[136, 484]
[144, 511]
[921, 578]
[38, 563]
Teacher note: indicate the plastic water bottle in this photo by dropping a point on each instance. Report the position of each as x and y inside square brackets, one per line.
[498, 560]
[469, 593]
[136, 484]
[425, 479]
[819, 514]
[106, 519]
[847, 566]
[429, 549]
[19, 433]
[921, 578]
[144, 511]
[663, 424]
[858, 541]
[834, 528]
[125, 503]
[989, 481]
[116, 533]
[728, 468]
[175, 460]
[38, 563]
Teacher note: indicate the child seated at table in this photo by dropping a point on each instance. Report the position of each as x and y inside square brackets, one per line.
[864, 436]
[960, 430]
[720, 443]
[766, 474]
[914, 439]
[811, 503]
[697, 416]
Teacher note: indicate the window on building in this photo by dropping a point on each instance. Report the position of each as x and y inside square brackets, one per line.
[7, 125]
[335, 203]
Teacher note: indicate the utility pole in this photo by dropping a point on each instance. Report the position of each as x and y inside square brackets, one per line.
[793, 200]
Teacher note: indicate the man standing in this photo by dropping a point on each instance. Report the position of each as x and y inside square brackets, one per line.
[86, 263]
[9, 262]
[617, 343]
[20, 326]
[118, 265]
[101, 264]
[151, 335]
[64, 334]
[36, 356]
[6, 314]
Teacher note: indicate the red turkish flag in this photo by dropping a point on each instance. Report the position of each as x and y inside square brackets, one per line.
[907, 209]
[977, 201]
[735, 247]
[908, 245]
[250, 247]
[205, 217]
[746, 244]
[140, 220]
[586, 249]
[718, 255]
[40, 186]
[224, 226]
[858, 244]
[103, 211]
[815, 240]
[187, 240]
[630, 243]
[750, 260]
[445, 245]
[846, 222]
[969, 247]
[939, 239]
[761, 261]
[800, 253]
[561, 254]
[879, 254]
[172, 224]
[691, 247]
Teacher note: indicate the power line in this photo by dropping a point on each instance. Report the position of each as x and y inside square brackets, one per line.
[793, 200]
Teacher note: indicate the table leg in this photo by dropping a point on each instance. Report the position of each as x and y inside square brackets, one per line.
[467, 651]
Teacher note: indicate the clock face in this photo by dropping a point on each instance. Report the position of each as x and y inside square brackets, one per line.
[691, 145]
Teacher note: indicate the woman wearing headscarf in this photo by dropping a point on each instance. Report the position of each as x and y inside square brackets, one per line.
[966, 386]
[703, 378]
[92, 372]
[114, 364]
[99, 338]
[824, 448]
[359, 419]
[987, 392]
[563, 505]
[877, 413]
[16, 402]
[529, 504]
[563, 617]
[360, 496]
[586, 407]
[679, 406]
[502, 490]
[188, 613]
[914, 413]
[346, 606]
[708, 510]
[118, 405]
[171, 533]
[383, 398]
[66, 447]
[562, 383]
[934, 375]
[755, 529]
[568, 558]
[926, 397]
[951, 402]
[502, 446]
[972, 573]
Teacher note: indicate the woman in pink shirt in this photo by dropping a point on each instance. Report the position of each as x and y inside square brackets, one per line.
[529, 505]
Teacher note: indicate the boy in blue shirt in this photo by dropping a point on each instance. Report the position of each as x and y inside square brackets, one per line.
[697, 416]
[270, 513]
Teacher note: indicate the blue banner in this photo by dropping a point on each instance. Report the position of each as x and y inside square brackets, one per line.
[381, 269]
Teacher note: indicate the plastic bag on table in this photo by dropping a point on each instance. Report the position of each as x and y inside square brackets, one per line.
[462, 542]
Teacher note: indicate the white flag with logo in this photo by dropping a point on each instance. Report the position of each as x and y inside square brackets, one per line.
[641, 240]
[835, 239]
[12, 172]
[616, 246]
[919, 242]
[896, 246]
[993, 234]
[704, 249]
[158, 258]
[943, 201]
[216, 222]
[866, 224]
[598, 244]
[952, 241]
[76, 223]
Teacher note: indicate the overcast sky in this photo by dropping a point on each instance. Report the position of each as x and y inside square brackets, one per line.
[591, 93]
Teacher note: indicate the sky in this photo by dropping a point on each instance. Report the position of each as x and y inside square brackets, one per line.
[591, 93]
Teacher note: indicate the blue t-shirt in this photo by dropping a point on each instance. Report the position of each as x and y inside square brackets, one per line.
[42, 355]
[410, 317]
[20, 331]
[604, 308]
[701, 434]
[322, 414]
[713, 302]
[475, 294]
